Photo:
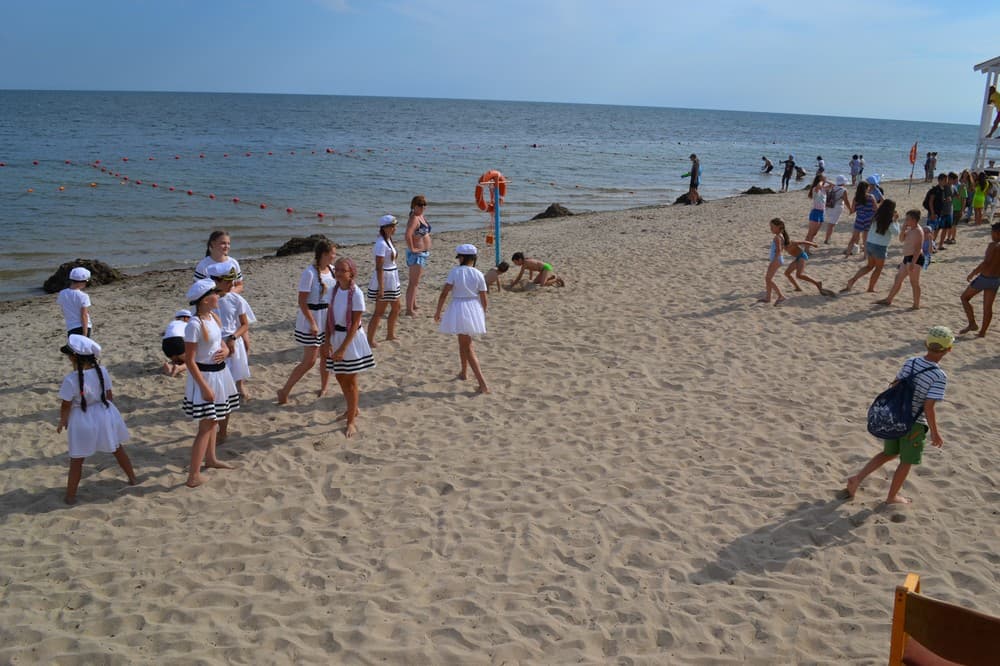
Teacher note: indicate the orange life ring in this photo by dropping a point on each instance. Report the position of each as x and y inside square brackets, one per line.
[491, 178]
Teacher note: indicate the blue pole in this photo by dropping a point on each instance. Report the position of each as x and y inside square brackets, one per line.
[496, 223]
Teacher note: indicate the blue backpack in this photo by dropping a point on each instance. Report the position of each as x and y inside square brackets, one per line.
[891, 413]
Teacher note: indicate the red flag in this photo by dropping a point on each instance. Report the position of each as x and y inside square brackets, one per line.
[913, 153]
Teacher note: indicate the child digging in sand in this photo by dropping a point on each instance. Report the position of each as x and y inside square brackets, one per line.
[493, 276]
[546, 276]
[987, 280]
[928, 390]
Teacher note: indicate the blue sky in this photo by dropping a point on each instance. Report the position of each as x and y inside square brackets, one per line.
[902, 59]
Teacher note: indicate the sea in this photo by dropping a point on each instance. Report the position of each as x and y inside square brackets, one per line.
[138, 180]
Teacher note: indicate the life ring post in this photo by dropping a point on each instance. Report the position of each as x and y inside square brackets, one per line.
[497, 184]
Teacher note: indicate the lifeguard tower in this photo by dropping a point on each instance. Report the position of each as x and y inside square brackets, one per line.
[991, 68]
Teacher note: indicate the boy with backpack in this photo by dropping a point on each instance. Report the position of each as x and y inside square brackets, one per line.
[925, 381]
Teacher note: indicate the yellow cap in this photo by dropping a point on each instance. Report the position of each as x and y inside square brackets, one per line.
[940, 338]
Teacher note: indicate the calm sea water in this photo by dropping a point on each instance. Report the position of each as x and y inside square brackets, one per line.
[356, 158]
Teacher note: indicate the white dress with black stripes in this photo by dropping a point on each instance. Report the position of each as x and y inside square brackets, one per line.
[358, 355]
[231, 306]
[319, 287]
[390, 272]
[201, 270]
[217, 376]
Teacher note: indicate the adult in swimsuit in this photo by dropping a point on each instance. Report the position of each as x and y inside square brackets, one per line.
[418, 249]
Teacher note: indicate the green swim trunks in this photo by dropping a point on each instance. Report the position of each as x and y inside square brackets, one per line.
[547, 267]
[908, 448]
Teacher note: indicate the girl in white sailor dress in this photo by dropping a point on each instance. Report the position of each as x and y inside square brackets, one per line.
[315, 287]
[346, 350]
[88, 413]
[234, 320]
[384, 285]
[466, 314]
[210, 394]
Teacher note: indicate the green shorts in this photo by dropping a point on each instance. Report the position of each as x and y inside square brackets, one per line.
[547, 267]
[908, 448]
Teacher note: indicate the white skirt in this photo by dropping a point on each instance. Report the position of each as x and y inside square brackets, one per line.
[464, 316]
[302, 334]
[99, 428]
[225, 396]
[390, 285]
[833, 214]
[357, 357]
[238, 362]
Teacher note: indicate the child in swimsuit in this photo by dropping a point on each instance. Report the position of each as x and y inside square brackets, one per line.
[546, 275]
[493, 275]
[985, 278]
[778, 241]
[797, 269]
[913, 237]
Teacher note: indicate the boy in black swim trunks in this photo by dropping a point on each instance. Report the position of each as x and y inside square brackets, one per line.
[987, 280]
[912, 236]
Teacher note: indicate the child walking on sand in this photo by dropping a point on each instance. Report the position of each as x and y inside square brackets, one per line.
[915, 258]
[865, 204]
[210, 394]
[929, 386]
[546, 275]
[346, 347]
[797, 269]
[877, 246]
[779, 239]
[987, 280]
[88, 413]
[818, 192]
[75, 303]
[466, 314]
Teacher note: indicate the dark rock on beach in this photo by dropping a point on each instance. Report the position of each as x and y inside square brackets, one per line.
[683, 199]
[759, 190]
[299, 245]
[555, 210]
[100, 273]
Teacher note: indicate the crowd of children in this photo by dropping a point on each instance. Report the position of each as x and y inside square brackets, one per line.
[211, 340]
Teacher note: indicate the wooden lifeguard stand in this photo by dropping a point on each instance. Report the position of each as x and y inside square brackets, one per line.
[991, 68]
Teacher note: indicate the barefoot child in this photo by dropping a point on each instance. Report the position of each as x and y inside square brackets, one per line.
[173, 343]
[232, 311]
[466, 314]
[346, 348]
[914, 259]
[987, 280]
[797, 269]
[877, 247]
[384, 285]
[929, 389]
[546, 276]
[779, 239]
[75, 303]
[210, 394]
[493, 276]
[88, 413]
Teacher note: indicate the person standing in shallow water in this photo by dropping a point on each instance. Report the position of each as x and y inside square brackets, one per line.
[418, 250]
[693, 196]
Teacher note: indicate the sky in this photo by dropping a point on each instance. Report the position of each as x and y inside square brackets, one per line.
[897, 59]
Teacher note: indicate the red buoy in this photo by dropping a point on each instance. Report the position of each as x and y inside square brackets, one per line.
[35, 162]
[236, 199]
[125, 178]
[225, 154]
[97, 161]
[190, 192]
[263, 205]
[171, 188]
[328, 151]
[177, 157]
[270, 153]
[124, 159]
[248, 154]
[153, 185]
[3, 164]
[138, 182]
[201, 155]
[211, 196]
[291, 153]
[320, 215]
[151, 159]
[68, 162]
[289, 210]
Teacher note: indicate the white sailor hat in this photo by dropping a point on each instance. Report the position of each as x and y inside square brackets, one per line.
[466, 248]
[387, 221]
[198, 290]
[79, 274]
[81, 345]
[224, 270]
[182, 313]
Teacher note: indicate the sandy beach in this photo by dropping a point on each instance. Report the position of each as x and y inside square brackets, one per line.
[655, 478]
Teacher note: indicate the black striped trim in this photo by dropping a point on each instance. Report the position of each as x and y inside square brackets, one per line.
[309, 339]
[211, 410]
[387, 295]
[351, 367]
